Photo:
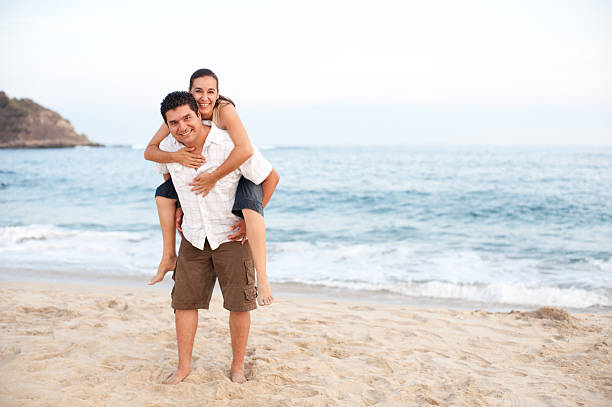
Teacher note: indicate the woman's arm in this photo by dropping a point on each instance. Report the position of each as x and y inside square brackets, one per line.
[229, 121]
[184, 156]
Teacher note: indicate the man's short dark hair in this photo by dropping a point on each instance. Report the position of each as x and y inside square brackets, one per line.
[176, 99]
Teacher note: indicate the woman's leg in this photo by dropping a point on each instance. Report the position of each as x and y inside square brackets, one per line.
[165, 209]
[256, 233]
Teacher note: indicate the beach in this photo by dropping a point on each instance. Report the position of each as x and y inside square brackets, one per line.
[65, 344]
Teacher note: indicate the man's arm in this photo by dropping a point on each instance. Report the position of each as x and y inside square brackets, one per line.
[268, 186]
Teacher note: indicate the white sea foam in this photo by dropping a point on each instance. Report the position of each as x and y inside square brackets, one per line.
[494, 294]
[416, 271]
[423, 272]
[83, 251]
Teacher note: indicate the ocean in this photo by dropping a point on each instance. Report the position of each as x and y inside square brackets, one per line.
[472, 226]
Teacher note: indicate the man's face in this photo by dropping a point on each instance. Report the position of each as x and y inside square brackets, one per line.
[184, 124]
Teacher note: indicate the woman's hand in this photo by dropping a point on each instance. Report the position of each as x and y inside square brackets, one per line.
[203, 183]
[186, 157]
[178, 220]
[239, 229]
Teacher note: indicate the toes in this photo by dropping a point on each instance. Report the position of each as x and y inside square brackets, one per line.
[155, 280]
[175, 378]
[238, 378]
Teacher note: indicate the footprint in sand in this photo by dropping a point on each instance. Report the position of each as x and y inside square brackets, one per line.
[361, 308]
[337, 353]
[49, 312]
[118, 305]
[8, 353]
[277, 379]
[372, 397]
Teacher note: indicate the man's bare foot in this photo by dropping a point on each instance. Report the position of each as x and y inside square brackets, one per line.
[238, 377]
[176, 377]
[166, 265]
[264, 294]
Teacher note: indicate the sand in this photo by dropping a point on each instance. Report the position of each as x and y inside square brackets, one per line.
[78, 345]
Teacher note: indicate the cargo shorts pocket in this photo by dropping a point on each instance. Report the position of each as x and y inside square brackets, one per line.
[250, 271]
[250, 294]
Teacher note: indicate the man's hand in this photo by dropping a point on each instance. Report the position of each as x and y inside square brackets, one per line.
[203, 183]
[186, 157]
[240, 234]
[178, 220]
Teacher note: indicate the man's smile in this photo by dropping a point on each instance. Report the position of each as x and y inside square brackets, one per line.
[186, 133]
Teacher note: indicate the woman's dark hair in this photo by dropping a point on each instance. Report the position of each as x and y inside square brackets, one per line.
[207, 72]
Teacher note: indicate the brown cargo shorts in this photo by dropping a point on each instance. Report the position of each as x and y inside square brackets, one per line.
[197, 271]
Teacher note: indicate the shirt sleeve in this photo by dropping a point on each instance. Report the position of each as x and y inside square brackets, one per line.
[165, 145]
[257, 168]
[162, 168]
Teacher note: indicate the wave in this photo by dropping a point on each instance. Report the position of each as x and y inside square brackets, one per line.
[11, 235]
[427, 271]
[421, 271]
[69, 250]
[490, 294]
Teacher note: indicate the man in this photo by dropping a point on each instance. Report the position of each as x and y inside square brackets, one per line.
[206, 253]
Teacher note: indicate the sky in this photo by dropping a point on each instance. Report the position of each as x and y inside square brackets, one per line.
[323, 72]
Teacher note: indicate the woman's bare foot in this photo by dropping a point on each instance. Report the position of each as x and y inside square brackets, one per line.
[165, 265]
[264, 293]
[176, 377]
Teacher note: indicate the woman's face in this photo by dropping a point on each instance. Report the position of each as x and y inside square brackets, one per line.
[204, 90]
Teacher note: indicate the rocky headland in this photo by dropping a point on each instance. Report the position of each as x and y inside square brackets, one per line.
[26, 124]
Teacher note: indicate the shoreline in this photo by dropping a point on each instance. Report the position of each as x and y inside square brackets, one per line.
[113, 345]
[298, 290]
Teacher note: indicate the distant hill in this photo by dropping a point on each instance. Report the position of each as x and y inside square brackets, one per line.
[26, 124]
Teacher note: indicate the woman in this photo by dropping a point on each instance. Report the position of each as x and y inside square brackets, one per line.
[250, 198]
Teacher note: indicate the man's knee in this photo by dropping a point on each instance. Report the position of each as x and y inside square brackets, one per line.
[240, 316]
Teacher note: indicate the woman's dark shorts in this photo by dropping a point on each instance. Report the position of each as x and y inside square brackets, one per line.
[166, 190]
[248, 195]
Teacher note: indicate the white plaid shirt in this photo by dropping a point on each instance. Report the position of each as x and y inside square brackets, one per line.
[211, 217]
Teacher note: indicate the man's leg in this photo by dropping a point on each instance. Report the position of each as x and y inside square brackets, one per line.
[240, 324]
[234, 268]
[186, 326]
